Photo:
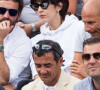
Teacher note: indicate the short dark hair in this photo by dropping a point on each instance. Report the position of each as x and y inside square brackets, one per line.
[92, 40]
[20, 2]
[64, 9]
[55, 48]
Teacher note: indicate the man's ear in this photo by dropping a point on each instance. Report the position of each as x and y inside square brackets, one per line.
[59, 7]
[61, 61]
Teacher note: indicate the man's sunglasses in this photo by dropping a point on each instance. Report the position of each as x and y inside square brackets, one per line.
[43, 5]
[45, 47]
[12, 12]
[87, 57]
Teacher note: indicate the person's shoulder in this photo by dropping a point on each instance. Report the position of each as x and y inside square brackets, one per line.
[75, 23]
[32, 85]
[70, 78]
[36, 38]
[19, 36]
[73, 79]
[19, 33]
[82, 84]
[67, 81]
[19, 30]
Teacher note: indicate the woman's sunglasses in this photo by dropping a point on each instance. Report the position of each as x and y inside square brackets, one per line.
[87, 57]
[12, 12]
[43, 5]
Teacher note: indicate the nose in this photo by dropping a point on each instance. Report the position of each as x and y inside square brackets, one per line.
[6, 15]
[92, 60]
[40, 9]
[87, 27]
[43, 71]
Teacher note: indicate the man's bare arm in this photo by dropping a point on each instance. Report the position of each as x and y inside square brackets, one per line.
[72, 6]
[28, 27]
[4, 70]
[5, 29]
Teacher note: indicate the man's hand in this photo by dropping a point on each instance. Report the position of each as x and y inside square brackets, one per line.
[5, 29]
[26, 27]
[77, 67]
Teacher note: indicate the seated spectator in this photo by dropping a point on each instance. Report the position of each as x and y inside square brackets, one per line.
[60, 27]
[15, 46]
[48, 61]
[91, 59]
[74, 8]
[92, 26]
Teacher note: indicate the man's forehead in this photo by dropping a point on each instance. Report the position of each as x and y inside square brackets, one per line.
[10, 4]
[89, 46]
[46, 57]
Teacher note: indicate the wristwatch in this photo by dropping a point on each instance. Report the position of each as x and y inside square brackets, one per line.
[1, 48]
[33, 27]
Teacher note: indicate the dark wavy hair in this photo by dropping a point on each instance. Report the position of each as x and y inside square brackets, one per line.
[56, 49]
[64, 9]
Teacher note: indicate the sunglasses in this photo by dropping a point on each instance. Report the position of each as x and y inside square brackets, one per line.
[44, 47]
[12, 12]
[43, 5]
[95, 55]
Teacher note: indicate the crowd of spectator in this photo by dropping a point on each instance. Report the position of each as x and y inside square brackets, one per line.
[49, 44]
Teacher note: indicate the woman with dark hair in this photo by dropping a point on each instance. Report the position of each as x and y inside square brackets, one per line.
[62, 6]
[59, 27]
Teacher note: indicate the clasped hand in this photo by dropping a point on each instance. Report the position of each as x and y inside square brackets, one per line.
[5, 29]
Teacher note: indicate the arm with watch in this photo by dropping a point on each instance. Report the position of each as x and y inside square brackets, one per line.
[31, 27]
[5, 29]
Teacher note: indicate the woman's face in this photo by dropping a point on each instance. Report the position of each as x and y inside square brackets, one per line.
[50, 13]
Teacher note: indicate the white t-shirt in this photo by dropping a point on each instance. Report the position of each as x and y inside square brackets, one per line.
[80, 38]
[49, 87]
[17, 51]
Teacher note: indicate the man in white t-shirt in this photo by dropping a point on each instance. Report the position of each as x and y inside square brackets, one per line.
[15, 46]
